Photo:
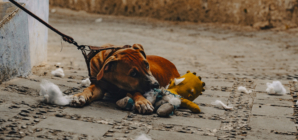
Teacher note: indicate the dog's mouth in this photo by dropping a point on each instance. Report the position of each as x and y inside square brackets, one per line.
[149, 88]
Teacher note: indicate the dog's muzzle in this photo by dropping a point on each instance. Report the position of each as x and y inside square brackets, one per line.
[152, 82]
[154, 85]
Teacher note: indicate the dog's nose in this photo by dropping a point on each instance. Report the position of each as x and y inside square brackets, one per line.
[155, 85]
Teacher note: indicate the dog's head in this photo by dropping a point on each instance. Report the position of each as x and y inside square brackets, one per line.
[129, 70]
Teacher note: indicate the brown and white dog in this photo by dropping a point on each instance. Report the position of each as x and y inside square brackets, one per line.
[131, 71]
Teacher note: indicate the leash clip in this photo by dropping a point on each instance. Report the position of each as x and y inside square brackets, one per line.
[82, 47]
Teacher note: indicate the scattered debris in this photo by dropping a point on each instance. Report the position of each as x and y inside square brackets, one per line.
[98, 20]
[58, 65]
[244, 90]
[276, 88]
[220, 104]
[86, 82]
[58, 72]
[143, 137]
[53, 10]
[52, 94]
[263, 25]
[295, 80]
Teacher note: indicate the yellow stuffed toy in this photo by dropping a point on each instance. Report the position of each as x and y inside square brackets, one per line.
[189, 87]
[180, 92]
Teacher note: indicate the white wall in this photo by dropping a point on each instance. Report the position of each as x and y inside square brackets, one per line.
[38, 33]
[14, 43]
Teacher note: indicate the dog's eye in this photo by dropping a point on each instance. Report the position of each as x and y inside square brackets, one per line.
[147, 65]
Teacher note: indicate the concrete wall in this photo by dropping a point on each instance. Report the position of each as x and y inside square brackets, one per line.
[38, 33]
[14, 43]
[245, 12]
[23, 40]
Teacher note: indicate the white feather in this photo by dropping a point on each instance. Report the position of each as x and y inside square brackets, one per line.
[276, 88]
[98, 20]
[58, 72]
[243, 89]
[220, 104]
[58, 64]
[52, 94]
[143, 137]
[179, 81]
[86, 82]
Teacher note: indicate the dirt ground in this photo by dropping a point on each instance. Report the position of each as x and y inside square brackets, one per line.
[225, 56]
[257, 13]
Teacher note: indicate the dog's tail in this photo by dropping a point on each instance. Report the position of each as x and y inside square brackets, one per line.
[52, 94]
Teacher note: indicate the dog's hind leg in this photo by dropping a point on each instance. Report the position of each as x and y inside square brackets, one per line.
[89, 94]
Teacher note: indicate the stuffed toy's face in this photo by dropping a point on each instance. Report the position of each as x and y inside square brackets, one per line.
[189, 86]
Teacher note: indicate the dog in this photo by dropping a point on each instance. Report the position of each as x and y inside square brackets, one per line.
[130, 71]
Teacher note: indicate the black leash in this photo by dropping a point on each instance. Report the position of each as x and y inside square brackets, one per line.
[64, 37]
[93, 49]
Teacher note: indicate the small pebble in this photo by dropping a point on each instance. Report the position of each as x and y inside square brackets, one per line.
[169, 126]
[26, 111]
[109, 135]
[59, 115]
[23, 114]
[112, 131]
[12, 132]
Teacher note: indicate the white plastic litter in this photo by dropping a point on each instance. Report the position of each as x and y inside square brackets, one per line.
[276, 88]
[58, 72]
[52, 94]
[58, 64]
[53, 10]
[143, 137]
[98, 20]
[297, 103]
[220, 104]
[243, 89]
[86, 82]
[295, 80]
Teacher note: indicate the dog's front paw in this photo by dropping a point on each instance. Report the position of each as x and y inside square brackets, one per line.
[77, 101]
[144, 106]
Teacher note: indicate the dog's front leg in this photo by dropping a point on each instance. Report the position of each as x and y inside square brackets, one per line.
[89, 94]
[142, 104]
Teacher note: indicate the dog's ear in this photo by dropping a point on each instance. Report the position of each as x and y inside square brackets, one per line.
[106, 66]
[140, 48]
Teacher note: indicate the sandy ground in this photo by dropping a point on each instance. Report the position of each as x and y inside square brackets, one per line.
[224, 56]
